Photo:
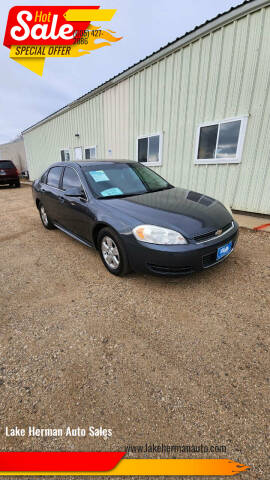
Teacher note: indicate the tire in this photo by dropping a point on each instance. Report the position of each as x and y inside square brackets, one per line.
[45, 219]
[112, 252]
[17, 184]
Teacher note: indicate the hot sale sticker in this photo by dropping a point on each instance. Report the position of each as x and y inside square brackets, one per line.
[56, 31]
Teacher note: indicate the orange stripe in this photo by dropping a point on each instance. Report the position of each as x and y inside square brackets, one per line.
[166, 467]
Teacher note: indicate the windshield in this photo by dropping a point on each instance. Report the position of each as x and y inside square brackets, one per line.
[122, 180]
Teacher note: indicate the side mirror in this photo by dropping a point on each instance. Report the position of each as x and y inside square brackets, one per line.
[74, 192]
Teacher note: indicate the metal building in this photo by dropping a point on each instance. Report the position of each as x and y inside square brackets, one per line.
[196, 111]
[15, 152]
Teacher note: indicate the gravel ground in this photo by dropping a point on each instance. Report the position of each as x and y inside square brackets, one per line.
[174, 361]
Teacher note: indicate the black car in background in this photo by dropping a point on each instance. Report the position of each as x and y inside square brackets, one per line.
[135, 218]
[9, 174]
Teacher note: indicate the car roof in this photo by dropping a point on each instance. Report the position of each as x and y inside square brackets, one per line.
[84, 163]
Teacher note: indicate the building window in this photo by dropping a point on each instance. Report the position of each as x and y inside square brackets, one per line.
[90, 152]
[65, 155]
[149, 149]
[78, 153]
[221, 142]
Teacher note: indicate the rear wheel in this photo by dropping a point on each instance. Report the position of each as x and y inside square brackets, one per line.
[17, 184]
[112, 252]
[45, 219]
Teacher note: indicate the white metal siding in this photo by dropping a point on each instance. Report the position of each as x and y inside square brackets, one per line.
[224, 74]
[15, 152]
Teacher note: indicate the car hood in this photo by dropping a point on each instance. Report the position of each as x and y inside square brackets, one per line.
[186, 211]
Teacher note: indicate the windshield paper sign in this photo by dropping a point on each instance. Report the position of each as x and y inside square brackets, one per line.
[34, 33]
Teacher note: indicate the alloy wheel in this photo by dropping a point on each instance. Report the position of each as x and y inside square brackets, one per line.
[44, 215]
[110, 252]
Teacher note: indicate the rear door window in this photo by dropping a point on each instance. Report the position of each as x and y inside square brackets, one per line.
[54, 176]
[44, 177]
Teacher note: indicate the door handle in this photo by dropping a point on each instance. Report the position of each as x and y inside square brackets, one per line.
[61, 199]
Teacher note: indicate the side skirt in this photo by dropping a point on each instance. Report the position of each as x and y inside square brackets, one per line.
[72, 235]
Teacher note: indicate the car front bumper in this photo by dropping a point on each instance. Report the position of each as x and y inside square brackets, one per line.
[174, 260]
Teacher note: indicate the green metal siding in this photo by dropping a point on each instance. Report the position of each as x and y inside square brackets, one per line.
[224, 74]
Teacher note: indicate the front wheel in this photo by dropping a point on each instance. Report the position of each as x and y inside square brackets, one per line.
[112, 252]
[45, 219]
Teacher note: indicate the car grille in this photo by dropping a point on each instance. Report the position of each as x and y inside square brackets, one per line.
[211, 235]
[209, 260]
[170, 270]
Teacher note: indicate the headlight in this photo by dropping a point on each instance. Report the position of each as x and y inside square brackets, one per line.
[158, 235]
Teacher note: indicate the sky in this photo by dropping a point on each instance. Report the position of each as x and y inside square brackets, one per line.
[145, 25]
